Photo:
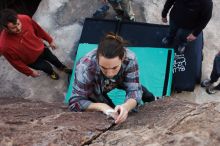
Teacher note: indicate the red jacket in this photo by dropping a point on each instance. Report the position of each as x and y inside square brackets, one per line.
[23, 48]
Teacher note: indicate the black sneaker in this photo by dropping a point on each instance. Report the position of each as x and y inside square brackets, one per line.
[206, 83]
[54, 76]
[166, 41]
[211, 90]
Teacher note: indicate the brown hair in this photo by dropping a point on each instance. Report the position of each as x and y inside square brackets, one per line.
[7, 16]
[111, 46]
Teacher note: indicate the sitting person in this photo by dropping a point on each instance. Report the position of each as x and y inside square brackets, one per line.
[100, 71]
[208, 83]
[21, 43]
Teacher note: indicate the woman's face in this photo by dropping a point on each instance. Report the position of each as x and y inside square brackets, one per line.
[110, 67]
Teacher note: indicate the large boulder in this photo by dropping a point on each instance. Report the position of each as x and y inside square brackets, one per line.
[27, 123]
[163, 122]
[63, 19]
[168, 122]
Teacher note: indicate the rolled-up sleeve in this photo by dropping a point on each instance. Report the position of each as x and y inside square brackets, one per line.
[131, 82]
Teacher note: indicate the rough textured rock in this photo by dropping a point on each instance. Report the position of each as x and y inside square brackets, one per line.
[167, 122]
[63, 19]
[26, 123]
[164, 122]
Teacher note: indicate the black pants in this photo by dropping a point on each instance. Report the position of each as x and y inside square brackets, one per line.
[180, 33]
[44, 60]
[146, 97]
[216, 69]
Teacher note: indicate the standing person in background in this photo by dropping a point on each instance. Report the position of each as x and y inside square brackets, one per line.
[21, 43]
[102, 70]
[122, 8]
[189, 17]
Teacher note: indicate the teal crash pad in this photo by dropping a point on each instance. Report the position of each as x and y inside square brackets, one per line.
[155, 69]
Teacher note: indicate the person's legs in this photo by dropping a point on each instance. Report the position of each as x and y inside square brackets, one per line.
[126, 6]
[43, 65]
[215, 74]
[147, 95]
[101, 12]
[182, 37]
[208, 83]
[50, 57]
[117, 8]
[216, 69]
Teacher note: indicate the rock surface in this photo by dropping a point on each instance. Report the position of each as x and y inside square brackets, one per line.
[27, 123]
[165, 122]
[63, 19]
[168, 122]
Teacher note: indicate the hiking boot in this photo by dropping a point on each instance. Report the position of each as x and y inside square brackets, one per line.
[166, 41]
[54, 76]
[206, 83]
[211, 90]
[181, 48]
